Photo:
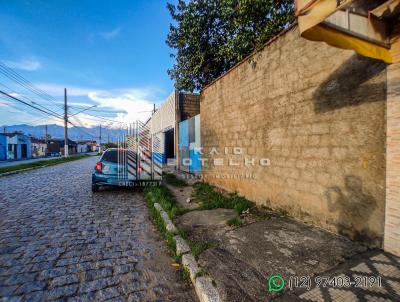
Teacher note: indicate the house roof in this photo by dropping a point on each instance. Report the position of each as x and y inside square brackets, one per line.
[9, 134]
[37, 140]
[61, 141]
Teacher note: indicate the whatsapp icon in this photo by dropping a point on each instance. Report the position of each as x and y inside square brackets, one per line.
[276, 283]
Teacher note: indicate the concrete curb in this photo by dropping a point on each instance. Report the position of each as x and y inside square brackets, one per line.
[21, 171]
[168, 223]
[31, 168]
[203, 285]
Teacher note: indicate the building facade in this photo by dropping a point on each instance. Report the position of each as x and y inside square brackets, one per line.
[39, 147]
[15, 146]
[164, 124]
[57, 146]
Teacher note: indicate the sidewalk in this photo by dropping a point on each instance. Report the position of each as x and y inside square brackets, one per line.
[262, 243]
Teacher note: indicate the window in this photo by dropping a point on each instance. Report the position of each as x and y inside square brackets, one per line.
[110, 156]
[9, 147]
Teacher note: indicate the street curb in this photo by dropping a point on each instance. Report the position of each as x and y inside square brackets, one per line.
[168, 223]
[21, 171]
[203, 285]
[32, 168]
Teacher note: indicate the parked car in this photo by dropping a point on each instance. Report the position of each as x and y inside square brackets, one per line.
[106, 169]
[54, 154]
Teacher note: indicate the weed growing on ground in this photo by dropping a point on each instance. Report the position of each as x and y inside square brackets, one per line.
[155, 215]
[211, 199]
[197, 248]
[165, 198]
[201, 273]
[235, 221]
[185, 274]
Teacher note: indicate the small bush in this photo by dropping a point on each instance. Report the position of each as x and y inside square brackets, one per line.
[211, 199]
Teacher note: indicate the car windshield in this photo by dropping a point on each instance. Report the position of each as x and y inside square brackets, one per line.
[111, 156]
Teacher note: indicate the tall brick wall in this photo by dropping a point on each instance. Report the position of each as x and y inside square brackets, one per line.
[318, 114]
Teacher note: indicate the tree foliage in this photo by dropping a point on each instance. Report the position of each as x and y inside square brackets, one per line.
[211, 36]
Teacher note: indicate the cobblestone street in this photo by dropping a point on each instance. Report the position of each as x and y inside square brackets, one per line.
[58, 241]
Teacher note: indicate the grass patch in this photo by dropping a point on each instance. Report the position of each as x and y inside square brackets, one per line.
[159, 222]
[211, 199]
[165, 198]
[175, 181]
[40, 163]
[235, 221]
[201, 273]
[185, 274]
[197, 248]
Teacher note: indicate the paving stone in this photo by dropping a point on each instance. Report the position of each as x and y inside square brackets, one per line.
[62, 292]
[20, 279]
[30, 287]
[107, 293]
[98, 273]
[68, 243]
[7, 290]
[52, 273]
[64, 280]
[97, 284]
[35, 296]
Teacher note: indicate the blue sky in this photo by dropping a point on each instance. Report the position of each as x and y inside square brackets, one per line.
[109, 53]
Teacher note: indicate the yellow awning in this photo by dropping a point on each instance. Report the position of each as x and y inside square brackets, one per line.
[339, 24]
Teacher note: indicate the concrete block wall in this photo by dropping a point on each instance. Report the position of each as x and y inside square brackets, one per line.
[318, 114]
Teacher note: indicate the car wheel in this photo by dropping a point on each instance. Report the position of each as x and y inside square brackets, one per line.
[95, 188]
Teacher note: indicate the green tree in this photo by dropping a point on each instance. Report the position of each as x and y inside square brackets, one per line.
[211, 36]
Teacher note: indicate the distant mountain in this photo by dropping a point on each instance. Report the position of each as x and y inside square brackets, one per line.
[74, 133]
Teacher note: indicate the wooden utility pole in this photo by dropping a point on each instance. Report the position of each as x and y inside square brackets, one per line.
[65, 124]
[100, 140]
[45, 138]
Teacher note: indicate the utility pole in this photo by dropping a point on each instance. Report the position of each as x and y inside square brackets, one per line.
[45, 139]
[65, 124]
[100, 141]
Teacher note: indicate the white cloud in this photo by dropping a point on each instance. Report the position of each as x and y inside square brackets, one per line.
[126, 105]
[58, 90]
[111, 34]
[26, 64]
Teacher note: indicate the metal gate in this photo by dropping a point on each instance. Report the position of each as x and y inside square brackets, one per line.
[138, 165]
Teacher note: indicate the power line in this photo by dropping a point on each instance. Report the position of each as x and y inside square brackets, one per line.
[15, 76]
[32, 102]
[30, 105]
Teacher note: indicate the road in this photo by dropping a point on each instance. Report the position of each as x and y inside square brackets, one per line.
[60, 241]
